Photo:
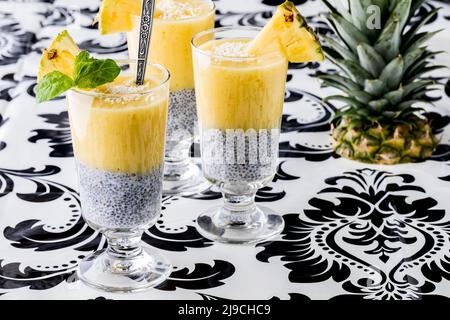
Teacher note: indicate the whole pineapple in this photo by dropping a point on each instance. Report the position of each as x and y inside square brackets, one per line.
[382, 56]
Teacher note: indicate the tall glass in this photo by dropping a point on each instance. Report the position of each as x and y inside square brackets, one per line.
[118, 133]
[175, 23]
[239, 104]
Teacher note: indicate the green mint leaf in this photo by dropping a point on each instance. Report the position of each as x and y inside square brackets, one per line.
[90, 73]
[81, 60]
[52, 85]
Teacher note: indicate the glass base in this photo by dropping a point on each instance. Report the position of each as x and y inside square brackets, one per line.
[185, 182]
[220, 225]
[104, 271]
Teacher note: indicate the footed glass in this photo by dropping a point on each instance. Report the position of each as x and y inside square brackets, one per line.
[174, 25]
[118, 133]
[239, 103]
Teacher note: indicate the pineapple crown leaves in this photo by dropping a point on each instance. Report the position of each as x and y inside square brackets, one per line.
[381, 67]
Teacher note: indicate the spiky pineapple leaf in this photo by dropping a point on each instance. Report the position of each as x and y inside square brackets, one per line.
[400, 13]
[392, 74]
[417, 85]
[342, 10]
[336, 46]
[420, 39]
[353, 70]
[422, 71]
[378, 105]
[405, 105]
[358, 14]
[412, 56]
[375, 87]
[382, 4]
[414, 69]
[347, 100]
[394, 97]
[330, 7]
[407, 37]
[420, 95]
[388, 44]
[343, 81]
[361, 96]
[370, 59]
[348, 32]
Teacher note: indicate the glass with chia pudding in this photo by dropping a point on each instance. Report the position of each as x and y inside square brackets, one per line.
[174, 25]
[239, 103]
[118, 133]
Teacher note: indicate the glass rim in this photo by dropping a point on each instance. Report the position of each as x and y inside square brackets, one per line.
[120, 62]
[212, 9]
[221, 29]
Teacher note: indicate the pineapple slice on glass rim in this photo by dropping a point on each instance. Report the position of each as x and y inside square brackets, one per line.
[289, 32]
[60, 56]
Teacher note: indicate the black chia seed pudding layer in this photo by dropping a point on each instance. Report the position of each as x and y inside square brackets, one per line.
[247, 165]
[119, 200]
[182, 116]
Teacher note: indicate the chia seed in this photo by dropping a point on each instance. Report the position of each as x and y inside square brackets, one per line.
[244, 168]
[119, 200]
[182, 116]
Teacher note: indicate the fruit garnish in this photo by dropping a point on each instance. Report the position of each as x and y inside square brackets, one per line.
[381, 81]
[288, 31]
[60, 70]
[117, 15]
[59, 56]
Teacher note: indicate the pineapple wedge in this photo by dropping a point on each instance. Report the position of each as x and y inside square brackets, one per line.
[288, 31]
[117, 15]
[60, 56]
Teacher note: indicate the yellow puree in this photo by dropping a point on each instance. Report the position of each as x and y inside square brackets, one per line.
[118, 135]
[233, 94]
[171, 37]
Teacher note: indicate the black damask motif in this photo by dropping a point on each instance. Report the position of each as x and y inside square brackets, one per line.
[426, 8]
[13, 276]
[7, 83]
[183, 238]
[319, 150]
[438, 123]
[96, 46]
[445, 178]
[298, 297]
[203, 276]
[58, 16]
[60, 139]
[14, 42]
[2, 122]
[45, 190]
[447, 88]
[370, 230]
[208, 297]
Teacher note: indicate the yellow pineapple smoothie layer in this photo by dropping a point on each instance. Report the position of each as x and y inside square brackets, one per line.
[234, 93]
[121, 134]
[175, 23]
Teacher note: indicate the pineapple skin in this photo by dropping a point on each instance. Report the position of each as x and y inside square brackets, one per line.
[381, 80]
[384, 144]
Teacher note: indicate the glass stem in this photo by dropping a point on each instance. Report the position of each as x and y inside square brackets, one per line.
[177, 161]
[239, 208]
[124, 244]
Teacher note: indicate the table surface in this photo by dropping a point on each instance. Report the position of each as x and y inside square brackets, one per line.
[353, 230]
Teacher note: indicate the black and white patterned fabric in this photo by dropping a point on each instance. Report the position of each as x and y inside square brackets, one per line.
[353, 231]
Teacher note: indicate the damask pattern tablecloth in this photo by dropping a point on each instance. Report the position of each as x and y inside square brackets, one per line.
[352, 230]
